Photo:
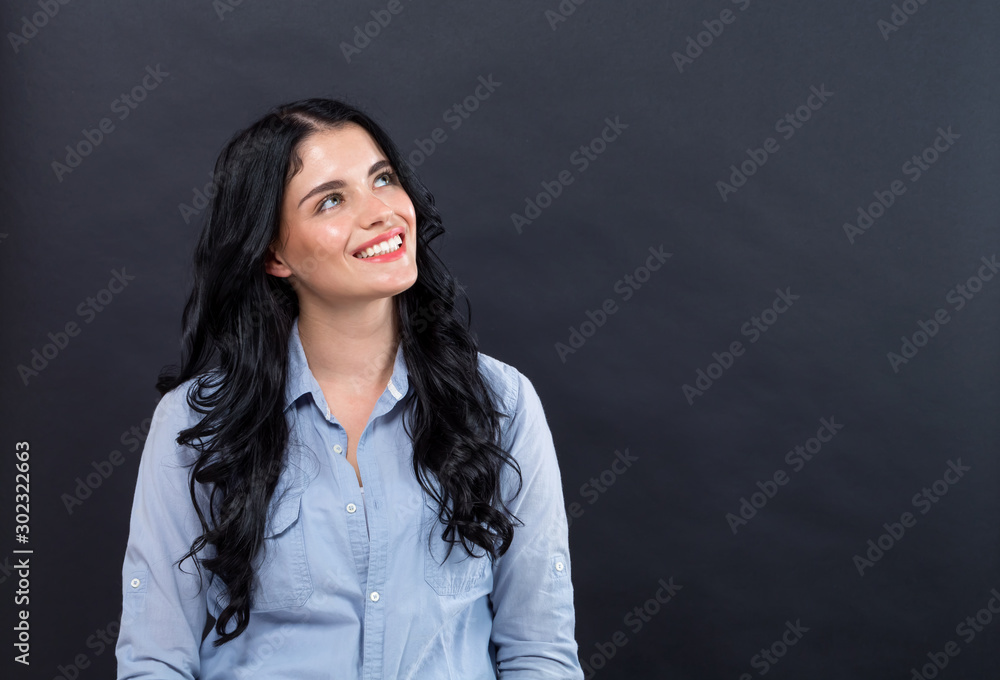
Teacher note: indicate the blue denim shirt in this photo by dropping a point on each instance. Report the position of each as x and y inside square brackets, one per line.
[346, 585]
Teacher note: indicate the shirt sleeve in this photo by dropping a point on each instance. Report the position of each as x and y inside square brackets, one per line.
[533, 613]
[163, 609]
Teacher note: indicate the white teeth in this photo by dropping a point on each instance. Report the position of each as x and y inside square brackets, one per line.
[386, 246]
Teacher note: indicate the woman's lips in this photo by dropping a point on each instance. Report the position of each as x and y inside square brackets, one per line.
[386, 257]
[395, 231]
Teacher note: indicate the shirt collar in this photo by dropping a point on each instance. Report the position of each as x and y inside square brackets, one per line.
[301, 380]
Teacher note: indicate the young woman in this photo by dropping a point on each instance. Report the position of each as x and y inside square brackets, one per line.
[337, 484]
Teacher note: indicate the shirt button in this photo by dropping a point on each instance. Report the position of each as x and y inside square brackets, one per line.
[351, 507]
[134, 583]
[337, 448]
[374, 596]
[559, 566]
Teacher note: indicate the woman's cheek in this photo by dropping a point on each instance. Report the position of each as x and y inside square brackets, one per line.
[329, 242]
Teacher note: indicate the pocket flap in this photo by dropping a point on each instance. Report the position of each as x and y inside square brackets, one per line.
[283, 512]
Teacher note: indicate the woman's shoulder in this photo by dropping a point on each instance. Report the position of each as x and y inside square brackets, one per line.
[503, 378]
[174, 410]
[515, 390]
[525, 430]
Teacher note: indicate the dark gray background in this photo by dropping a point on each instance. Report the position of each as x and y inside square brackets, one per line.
[665, 516]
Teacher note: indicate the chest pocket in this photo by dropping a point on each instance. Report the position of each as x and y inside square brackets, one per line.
[282, 578]
[460, 573]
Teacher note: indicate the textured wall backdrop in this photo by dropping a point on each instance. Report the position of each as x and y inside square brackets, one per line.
[746, 251]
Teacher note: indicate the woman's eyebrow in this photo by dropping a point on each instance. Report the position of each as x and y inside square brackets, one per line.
[339, 183]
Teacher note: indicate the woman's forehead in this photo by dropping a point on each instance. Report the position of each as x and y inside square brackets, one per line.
[341, 145]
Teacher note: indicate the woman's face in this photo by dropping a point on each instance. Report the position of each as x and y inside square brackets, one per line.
[345, 198]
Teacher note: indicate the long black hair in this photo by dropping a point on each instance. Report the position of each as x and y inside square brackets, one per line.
[236, 326]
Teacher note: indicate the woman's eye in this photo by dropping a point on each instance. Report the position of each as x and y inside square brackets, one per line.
[387, 176]
[328, 199]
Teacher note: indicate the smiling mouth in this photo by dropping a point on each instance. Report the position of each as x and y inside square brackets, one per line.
[387, 246]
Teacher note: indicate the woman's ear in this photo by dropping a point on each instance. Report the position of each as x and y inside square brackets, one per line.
[274, 265]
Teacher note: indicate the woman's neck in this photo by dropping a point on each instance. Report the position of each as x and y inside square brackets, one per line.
[354, 351]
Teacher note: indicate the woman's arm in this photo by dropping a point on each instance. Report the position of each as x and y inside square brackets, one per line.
[534, 617]
[163, 609]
